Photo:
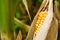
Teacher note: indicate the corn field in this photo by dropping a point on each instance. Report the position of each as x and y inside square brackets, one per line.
[29, 19]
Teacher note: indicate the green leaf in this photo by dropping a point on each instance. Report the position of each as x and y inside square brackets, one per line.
[18, 14]
[40, 1]
[21, 25]
[7, 12]
[58, 1]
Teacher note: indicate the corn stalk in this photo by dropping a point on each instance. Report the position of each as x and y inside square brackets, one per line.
[7, 10]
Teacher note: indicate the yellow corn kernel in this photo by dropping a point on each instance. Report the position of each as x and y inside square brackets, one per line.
[36, 25]
[40, 21]
[36, 32]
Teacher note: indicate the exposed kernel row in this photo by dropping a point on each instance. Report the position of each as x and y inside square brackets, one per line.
[39, 22]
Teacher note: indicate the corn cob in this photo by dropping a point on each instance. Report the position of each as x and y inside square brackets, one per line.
[31, 32]
[39, 22]
[42, 32]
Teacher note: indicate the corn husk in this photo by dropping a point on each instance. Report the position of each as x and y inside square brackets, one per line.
[44, 29]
